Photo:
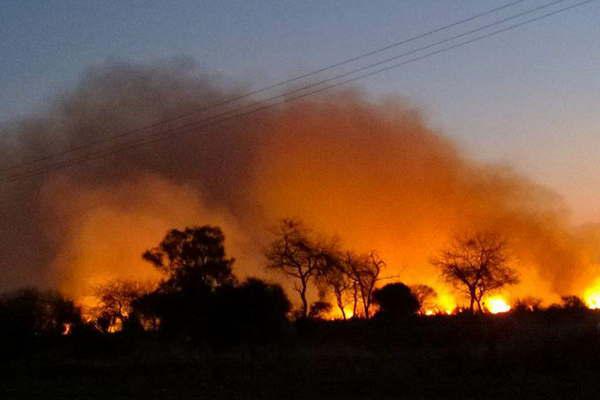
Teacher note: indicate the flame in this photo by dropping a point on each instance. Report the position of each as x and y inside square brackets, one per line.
[497, 305]
[436, 311]
[336, 313]
[591, 296]
[383, 174]
[444, 304]
[67, 329]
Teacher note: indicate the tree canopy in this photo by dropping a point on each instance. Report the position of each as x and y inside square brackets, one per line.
[476, 265]
[191, 259]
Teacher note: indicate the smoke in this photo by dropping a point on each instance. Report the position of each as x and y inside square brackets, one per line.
[372, 172]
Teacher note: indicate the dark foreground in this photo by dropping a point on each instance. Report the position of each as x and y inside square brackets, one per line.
[532, 357]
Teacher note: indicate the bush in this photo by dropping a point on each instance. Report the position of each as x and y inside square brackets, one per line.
[395, 301]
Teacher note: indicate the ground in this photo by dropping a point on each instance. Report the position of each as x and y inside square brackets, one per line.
[500, 358]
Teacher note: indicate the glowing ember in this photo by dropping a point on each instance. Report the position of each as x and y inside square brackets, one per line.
[497, 305]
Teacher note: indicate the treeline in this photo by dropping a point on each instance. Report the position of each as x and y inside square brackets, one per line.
[200, 298]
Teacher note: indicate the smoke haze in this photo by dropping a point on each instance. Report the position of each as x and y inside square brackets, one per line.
[371, 171]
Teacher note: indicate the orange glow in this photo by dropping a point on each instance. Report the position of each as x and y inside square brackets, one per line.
[446, 303]
[436, 311]
[374, 173]
[336, 313]
[497, 305]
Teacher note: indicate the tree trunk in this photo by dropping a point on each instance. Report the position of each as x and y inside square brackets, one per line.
[355, 301]
[479, 306]
[340, 303]
[472, 302]
[366, 305]
[304, 301]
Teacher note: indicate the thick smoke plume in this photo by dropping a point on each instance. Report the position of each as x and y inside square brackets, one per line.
[371, 172]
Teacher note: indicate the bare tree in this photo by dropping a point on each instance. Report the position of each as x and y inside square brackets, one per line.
[116, 302]
[336, 277]
[476, 265]
[296, 253]
[363, 271]
[426, 296]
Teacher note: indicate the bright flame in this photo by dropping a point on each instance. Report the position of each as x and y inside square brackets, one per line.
[592, 296]
[446, 304]
[336, 313]
[497, 305]
[428, 312]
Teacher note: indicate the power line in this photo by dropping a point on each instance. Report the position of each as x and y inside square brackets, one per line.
[264, 89]
[127, 146]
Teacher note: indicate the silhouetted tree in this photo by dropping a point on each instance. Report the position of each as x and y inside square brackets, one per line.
[363, 270]
[31, 312]
[426, 296]
[395, 301]
[297, 254]
[192, 259]
[116, 299]
[476, 265]
[336, 278]
[254, 311]
[573, 303]
[195, 265]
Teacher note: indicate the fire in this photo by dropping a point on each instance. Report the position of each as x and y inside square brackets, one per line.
[446, 303]
[436, 311]
[497, 305]
[443, 304]
[336, 313]
[591, 296]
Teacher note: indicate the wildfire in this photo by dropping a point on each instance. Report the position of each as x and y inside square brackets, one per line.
[443, 304]
[592, 296]
[336, 313]
[497, 305]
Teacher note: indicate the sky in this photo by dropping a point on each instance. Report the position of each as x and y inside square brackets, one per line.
[528, 97]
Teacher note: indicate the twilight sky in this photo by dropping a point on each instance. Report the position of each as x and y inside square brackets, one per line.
[528, 97]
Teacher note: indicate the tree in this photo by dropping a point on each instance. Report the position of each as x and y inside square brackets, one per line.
[573, 303]
[363, 270]
[395, 301]
[195, 266]
[426, 296]
[476, 265]
[192, 259]
[254, 311]
[337, 279]
[31, 312]
[297, 254]
[115, 303]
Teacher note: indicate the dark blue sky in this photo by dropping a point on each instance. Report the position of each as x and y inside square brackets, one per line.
[529, 97]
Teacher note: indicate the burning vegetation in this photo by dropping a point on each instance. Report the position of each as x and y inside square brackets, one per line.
[382, 191]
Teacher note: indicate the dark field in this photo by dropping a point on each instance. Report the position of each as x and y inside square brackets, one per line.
[444, 357]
